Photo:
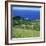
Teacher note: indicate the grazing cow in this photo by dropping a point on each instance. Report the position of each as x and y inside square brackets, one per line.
[23, 25]
[33, 25]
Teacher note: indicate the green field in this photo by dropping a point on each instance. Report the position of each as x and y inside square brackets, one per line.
[23, 28]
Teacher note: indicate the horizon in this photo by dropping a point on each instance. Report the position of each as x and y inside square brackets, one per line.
[26, 12]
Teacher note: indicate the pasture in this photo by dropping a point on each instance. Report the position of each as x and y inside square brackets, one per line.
[24, 29]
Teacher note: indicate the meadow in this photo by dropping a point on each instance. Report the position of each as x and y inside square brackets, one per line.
[22, 28]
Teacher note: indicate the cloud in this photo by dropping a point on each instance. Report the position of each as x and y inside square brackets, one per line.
[25, 8]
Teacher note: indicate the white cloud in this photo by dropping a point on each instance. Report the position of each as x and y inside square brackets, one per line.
[25, 8]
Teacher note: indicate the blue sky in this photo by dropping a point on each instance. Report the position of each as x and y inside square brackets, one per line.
[26, 12]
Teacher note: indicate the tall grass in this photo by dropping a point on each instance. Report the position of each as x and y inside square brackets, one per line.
[23, 28]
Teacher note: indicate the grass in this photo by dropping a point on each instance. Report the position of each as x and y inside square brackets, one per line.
[24, 33]
[19, 31]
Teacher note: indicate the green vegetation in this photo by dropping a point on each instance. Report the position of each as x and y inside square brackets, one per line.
[25, 28]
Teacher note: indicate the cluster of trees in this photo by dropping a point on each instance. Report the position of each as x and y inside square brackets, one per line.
[17, 20]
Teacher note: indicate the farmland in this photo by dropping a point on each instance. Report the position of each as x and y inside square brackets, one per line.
[22, 28]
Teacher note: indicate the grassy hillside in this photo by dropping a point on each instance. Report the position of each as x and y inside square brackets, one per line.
[22, 28]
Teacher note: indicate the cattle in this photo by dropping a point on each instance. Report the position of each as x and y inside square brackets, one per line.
[26, 26]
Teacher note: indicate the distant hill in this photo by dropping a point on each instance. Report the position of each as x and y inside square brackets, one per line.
[27, 14]
[23, 18]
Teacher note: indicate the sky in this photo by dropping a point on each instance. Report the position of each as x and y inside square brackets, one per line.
[26, 12]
